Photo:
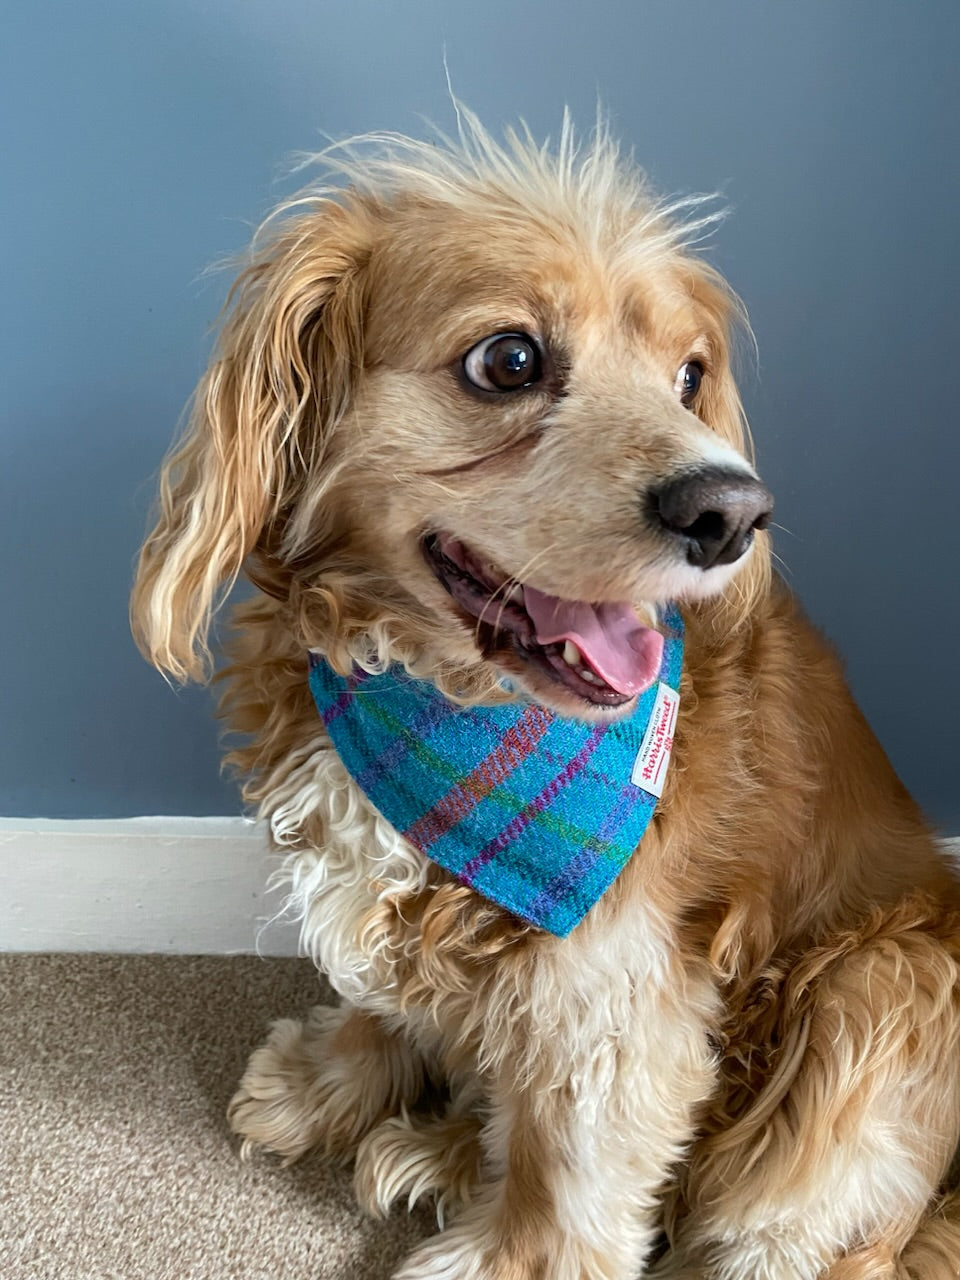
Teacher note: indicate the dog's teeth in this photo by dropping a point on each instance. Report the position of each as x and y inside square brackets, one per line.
[647, 614]
[514, 595]
[589, 675]
[572, 655]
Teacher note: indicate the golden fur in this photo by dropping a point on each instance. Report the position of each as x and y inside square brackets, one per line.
[751, 1041]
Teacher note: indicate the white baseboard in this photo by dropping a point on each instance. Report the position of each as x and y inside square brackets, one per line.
[187, 886]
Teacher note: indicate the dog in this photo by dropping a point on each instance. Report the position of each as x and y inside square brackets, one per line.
[472, 434]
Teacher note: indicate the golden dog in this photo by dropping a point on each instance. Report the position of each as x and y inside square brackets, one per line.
[475, 376]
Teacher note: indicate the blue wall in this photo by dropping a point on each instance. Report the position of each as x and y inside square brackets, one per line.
[142, 141]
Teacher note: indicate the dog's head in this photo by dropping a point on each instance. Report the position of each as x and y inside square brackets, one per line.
[475, 414]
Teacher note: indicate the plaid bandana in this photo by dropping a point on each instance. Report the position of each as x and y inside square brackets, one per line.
[534, 811]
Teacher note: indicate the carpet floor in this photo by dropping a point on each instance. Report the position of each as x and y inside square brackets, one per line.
[115, 1159]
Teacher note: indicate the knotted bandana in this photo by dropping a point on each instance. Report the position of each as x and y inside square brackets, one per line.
[536, 812]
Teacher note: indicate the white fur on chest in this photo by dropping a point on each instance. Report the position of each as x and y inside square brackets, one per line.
[333, 881]
[620, 975]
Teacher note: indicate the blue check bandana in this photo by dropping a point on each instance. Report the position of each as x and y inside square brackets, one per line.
[534, 811]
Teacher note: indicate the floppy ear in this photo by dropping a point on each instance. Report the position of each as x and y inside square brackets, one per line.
[279, 381]
[721, 409]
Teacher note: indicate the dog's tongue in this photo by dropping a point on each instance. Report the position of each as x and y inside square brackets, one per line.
[622, 652]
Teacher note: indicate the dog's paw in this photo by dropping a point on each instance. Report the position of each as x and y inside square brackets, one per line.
[455, 1254]
[482, 1245]
[321, 1082]
[412, 1159]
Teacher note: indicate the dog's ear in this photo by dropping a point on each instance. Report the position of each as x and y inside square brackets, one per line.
[718, 403]
[262, 415]
[721, 408]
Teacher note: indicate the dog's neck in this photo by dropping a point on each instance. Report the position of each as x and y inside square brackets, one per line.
[535, 811]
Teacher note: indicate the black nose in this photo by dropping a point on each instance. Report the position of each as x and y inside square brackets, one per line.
[714, 511]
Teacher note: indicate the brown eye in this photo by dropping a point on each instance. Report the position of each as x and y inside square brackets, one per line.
[687, 382]
[503, 362]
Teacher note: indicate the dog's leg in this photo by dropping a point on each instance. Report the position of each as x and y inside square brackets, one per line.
[582, 1129]
[326, 1081]
[833, 1175]
[570, 1205]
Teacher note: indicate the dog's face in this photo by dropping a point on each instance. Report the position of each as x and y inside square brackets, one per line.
[485, 435]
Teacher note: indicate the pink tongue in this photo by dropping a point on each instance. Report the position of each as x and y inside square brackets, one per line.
[614, 645]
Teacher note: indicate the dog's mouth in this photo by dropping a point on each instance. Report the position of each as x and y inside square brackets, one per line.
[600, 652]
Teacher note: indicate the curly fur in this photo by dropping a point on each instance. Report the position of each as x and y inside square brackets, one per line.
[751, 1042]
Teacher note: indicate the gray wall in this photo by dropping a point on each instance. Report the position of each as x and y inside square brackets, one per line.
[143, 139]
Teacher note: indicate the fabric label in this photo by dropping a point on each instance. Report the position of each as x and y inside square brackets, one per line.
[650, 767]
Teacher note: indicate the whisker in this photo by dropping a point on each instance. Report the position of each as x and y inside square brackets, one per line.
[782, 564]
[515, 580]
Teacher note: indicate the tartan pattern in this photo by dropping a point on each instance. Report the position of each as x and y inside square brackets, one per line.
[534, 811]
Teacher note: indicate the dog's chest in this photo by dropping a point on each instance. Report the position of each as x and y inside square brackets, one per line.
[349, 872]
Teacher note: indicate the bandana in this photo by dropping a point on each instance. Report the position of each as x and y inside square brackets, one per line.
[535, 811]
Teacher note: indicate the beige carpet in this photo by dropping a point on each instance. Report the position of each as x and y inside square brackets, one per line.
[115, 1160]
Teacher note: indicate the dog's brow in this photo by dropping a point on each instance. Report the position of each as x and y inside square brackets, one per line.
[454, 344]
